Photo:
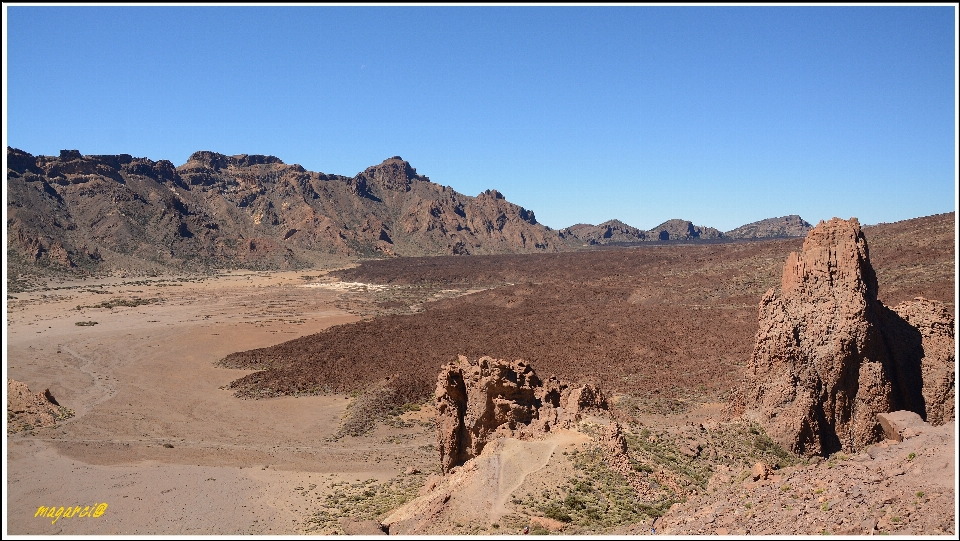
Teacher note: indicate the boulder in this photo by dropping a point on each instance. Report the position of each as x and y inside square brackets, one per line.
[899, 424]
[490, 398]
[760, 471]
[829, 356]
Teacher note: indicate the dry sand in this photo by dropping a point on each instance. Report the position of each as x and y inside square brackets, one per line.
[155, 437]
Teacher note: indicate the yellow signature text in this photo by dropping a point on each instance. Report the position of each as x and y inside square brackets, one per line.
[56, 513]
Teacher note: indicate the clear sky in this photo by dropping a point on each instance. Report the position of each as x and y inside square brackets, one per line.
[719, 115]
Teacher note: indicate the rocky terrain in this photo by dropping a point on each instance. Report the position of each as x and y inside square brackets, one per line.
[87, 214]
[83, 215]
[646, 321]
[608, 232]
[667, 331]
[683, 230]
[899, 488]
[785, 226]
[491, 398]
[495, 405]
[829, 356]
[617, 232]
[27, 411]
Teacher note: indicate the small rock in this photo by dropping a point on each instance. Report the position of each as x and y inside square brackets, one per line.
[760, 471]
[411, 471]
[361, 527]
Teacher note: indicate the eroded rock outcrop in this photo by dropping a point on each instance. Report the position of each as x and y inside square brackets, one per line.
[27, 410]
[922, 332]
[829, 356]
[480, 401]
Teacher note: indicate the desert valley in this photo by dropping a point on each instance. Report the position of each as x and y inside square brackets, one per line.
[240, 346]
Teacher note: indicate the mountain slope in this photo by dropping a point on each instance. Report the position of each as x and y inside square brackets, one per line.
[683, 230]
[784, 226]
[97, 213]
[607, 232]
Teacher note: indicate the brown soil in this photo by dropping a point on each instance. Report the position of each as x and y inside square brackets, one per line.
[159, 436]
[671, 325]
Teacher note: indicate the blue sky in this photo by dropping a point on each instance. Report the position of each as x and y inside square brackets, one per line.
[719, 115]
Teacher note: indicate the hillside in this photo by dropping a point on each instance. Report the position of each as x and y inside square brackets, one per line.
[605, 233]
[86, 214]
[784, 226]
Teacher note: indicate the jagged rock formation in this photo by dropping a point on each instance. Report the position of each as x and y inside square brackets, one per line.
[829, 356]
[478, 402]
[923, 334]
[605, 233]
[91, 213]
[784, 226]
[27, 410]
[682, 230]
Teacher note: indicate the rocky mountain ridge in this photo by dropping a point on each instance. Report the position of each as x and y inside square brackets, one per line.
[96, 213]
[615, 231]
[84, 214]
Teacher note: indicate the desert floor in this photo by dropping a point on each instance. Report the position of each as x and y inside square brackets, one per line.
[159, 438]
[155, 436]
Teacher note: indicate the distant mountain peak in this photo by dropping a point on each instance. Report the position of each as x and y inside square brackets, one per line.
[784, 226]
[394, 174]
[679, 229]
[217, 161]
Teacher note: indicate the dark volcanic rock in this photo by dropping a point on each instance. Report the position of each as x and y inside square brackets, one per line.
[785, 226]
[605, 233]
[477, 402]
[682, 230]
[829, 356]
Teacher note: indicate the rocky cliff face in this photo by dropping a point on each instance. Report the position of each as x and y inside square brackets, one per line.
[829, 356]
[785, 226]
[101, 212]
[480, 401]
[922, 334]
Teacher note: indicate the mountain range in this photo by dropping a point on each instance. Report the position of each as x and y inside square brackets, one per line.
[95, 213]
[615, 231]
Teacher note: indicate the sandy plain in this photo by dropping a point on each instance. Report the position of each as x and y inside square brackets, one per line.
[155, 435]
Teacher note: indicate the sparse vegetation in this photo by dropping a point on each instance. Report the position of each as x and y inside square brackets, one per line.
[362, 500]
[113, 303]
[384, 401]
